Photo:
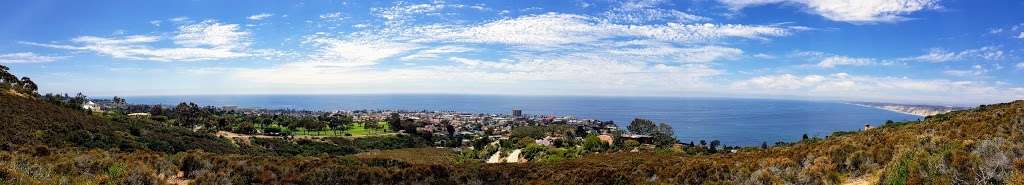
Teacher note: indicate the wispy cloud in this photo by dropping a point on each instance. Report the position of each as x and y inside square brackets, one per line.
[27, 57]
[861, 11]
[433, 53]
[259, 17]
[832, 62]
[974, 71]
[940, 55]
[645, 11]
[554, 29]
[355, 52]
[208, 40]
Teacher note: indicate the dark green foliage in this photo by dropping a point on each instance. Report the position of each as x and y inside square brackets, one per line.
[642, 126]
[28, 121]
[301, 147]
[382, 142]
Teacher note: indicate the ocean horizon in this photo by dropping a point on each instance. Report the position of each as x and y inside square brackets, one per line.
[733, 121]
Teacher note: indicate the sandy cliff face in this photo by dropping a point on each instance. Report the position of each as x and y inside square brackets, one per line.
[920, 111]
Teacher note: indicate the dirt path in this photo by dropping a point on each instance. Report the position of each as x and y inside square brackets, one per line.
[866, 179]
[178, 179]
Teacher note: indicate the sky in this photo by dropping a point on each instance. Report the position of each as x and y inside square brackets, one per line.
[906, 51]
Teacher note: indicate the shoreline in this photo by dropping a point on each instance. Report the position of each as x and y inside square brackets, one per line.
[917, 110]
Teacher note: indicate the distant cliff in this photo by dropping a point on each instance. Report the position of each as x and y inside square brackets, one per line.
[920, 110]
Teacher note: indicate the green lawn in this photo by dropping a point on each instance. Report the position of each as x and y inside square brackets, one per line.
[356, 130]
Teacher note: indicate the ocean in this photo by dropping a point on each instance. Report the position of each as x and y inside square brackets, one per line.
[745, 122]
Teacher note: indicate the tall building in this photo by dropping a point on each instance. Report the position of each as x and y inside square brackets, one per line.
[517, 113]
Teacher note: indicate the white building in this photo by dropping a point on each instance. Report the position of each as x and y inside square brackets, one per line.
[91, 106]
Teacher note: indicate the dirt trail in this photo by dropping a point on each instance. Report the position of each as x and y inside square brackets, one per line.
[178, 179]
[866, 179]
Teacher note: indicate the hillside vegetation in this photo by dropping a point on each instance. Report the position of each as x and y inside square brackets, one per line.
[49, 144]
[27, 121]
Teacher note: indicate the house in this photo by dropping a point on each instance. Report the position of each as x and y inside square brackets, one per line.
[606, 138]
[92, 106]
[868, 127]
[547, 141]
[642, 139]
[542, 142]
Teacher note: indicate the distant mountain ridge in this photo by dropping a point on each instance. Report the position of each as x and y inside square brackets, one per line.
[913, 109]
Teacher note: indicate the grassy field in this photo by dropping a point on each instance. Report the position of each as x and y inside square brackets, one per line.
[357, 130]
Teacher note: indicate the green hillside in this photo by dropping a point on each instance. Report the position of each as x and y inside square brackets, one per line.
[27, 121]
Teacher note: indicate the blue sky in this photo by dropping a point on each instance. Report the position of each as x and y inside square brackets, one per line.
[917, 51]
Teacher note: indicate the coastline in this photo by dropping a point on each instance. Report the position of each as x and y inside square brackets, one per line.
[916, 110]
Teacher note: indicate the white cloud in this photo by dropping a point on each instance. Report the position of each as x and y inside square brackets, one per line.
[402, 12]
[1020, 66]
[940, 55]
[860, 11]
[332, 16]
[834, 61]
[259, 17]
[555, 29]
[846, 86]
[180, 20]
[974, 71]
[433, 53]
[995, 30]
[665, 52]
[208, 40]
[212, 34]
[355, 52]
[27, 57]
[1020, 36]
[567, 75]
[644, 11]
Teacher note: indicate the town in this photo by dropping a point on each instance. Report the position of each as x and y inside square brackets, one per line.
[494, 138]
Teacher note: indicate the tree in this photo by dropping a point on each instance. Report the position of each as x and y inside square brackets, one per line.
[119, 102]
[338, 122]
[715, 144]
[246, 128]
[395, 121]
[156, 110]
[804, 138]
[184, 115]
[371, 125]
[642, 126]
[28, 86]
[593, 144]
[450, 129]
[764, 145]
[6, 78]
[664, 136]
